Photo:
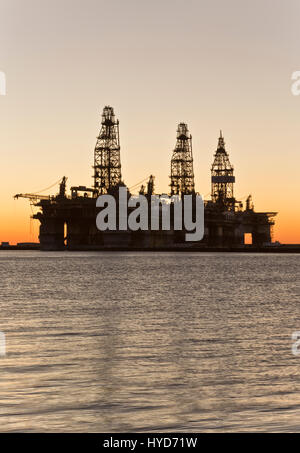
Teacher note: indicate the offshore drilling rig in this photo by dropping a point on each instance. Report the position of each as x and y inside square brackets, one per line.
[69, 221]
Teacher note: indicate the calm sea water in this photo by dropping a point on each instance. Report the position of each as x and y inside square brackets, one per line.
[108, 342]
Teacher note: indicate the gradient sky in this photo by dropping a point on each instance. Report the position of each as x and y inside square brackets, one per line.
[214, 64]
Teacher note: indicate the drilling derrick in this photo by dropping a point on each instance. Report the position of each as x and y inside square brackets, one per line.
[222, 178]
[182, 172]
[107, 162]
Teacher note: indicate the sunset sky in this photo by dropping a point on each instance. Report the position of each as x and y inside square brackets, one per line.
[214, 64]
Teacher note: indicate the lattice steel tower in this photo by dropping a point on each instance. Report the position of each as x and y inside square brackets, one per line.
[222, 178]
[182, 172]
[107, 162]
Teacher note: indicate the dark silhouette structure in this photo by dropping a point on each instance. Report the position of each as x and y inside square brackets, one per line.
[222, 178]
[107, 162]
[69, 221]
[182, 171]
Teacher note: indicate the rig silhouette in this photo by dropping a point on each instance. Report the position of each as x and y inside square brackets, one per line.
[69, 221]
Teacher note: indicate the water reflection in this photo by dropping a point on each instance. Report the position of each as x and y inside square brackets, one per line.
[141, 342]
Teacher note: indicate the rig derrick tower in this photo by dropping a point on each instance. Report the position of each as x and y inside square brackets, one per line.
[107, 162]
[182, 171]
[222, 178]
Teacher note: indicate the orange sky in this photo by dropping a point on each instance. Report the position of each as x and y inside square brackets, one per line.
[213, 64]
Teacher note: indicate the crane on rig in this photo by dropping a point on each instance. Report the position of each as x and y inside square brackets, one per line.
[34, 197]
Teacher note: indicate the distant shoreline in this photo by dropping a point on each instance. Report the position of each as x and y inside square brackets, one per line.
[247, 249]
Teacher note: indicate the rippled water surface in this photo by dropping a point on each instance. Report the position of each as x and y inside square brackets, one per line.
[108, 342]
